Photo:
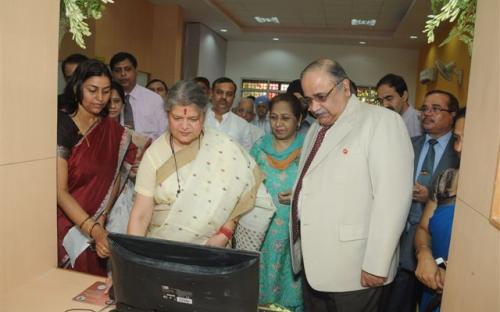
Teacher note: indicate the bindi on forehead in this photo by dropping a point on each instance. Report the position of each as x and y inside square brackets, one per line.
[185, 111]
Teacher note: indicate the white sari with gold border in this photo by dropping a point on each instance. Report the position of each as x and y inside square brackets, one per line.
[218, 182]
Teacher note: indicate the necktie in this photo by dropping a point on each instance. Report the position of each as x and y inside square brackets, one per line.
[310, 157]
[128, 115]
[425, 176]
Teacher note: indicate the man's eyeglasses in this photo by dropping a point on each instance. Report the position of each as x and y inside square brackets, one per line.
[321, 97]
[435, 109]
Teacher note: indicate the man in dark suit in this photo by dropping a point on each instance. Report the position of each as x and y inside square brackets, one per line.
[433, 154]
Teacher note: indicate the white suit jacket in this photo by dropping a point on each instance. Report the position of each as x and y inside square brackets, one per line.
[355, 198]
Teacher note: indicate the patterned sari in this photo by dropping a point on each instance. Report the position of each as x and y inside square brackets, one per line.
[208, 183]
[119, 215]
[96, 161]
[278, 284]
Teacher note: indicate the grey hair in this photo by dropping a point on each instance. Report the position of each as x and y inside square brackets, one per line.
[247, 99]
[332, 67]
[184, 93]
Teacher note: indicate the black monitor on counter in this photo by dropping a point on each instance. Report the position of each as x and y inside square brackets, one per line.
[161, 275]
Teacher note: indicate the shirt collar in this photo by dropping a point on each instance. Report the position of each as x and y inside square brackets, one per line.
[442, 140]
[224, 117]
[135, 92]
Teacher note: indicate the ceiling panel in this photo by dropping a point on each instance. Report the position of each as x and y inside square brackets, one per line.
[322, 21]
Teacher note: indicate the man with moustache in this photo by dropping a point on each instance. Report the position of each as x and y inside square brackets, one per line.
[393, 94]
[352, 197]
[220, 117]
[434, 153]
[143, 109]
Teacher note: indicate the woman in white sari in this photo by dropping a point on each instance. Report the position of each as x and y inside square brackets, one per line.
[193, 184]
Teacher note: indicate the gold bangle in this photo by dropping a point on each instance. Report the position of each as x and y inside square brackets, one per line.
[83, 222]
[92, 227]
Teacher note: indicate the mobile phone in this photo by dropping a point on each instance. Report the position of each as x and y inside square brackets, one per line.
[441, 263]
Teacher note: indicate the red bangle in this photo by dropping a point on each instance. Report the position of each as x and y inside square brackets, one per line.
[227, 232]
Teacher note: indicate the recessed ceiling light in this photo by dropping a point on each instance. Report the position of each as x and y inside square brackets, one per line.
[276, 38]
[223, 30]
[413, 37]
[362, 42]
[363, 22]
[272, 19]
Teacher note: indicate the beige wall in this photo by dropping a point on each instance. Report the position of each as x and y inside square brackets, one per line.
[126, 26]
[168, 38]
[455, 51]
[152, 32]
[28, 90]
[473, 280]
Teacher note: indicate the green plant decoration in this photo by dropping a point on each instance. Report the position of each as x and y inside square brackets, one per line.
[74, 13]
[463, 11]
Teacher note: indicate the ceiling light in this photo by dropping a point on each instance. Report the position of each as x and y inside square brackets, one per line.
[276, 38]
[413, 37]
[363, 22]
[223, 30]
[261, 19]
[362, 42]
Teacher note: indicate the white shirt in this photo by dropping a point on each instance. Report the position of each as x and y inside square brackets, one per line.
[232, 125]
[255, 133]
[412, 121]
[150, 118]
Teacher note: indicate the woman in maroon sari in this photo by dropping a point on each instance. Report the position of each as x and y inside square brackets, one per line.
[94, 157]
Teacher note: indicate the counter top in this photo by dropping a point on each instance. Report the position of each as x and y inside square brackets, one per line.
[53, 291]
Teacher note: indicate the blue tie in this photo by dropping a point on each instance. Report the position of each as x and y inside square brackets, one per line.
[425, 176]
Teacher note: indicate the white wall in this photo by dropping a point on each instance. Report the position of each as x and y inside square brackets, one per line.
[191, 50]
[204, 53]
[212, 58]
[275, 60]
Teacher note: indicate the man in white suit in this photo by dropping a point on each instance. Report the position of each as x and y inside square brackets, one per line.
[351, 199]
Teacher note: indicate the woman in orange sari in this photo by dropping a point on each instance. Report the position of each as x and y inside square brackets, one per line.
[94, 158]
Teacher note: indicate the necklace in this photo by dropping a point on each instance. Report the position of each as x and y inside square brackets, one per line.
[84, 127]
[175, 162]
[176, 168]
